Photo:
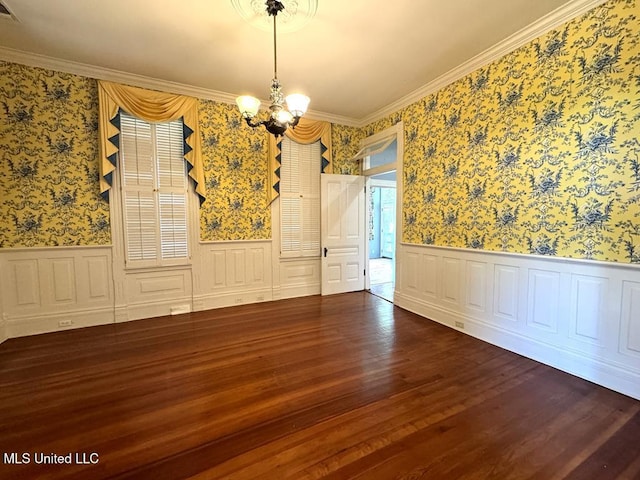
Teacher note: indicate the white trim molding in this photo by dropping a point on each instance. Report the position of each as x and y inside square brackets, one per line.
[118, 76]
[550, 21]
[580, 317]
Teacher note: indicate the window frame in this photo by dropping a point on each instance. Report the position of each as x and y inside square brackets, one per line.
[118, 216]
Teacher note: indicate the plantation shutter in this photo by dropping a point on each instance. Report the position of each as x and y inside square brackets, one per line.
[154, 192]
[300, 199]
[172, 190]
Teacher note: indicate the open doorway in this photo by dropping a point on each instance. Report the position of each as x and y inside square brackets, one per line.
[382, 234]
[381, 163]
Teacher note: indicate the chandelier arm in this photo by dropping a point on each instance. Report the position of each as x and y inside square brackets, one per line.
[253, 123]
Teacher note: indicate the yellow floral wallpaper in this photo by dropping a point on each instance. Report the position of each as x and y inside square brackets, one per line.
[345, 142]
[49, 164]
[537, 152]
[235, 158]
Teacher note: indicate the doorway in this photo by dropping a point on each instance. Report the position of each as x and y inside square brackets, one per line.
[380, 159]
[382, 234]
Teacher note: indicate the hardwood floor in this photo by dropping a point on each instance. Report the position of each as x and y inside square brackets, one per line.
[339, 387]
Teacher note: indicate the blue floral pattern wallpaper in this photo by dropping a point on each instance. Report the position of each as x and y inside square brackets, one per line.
[49, 160]
[537, 152]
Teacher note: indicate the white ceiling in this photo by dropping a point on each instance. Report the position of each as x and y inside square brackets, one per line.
[353, 58]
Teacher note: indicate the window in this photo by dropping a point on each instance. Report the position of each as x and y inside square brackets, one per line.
[300, 199]
[154, 192]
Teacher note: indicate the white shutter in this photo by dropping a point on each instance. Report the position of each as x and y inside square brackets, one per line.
[154, 192]
[136, 152]
[173, 225]
[300, 199]
[172, 188]
[140, 225]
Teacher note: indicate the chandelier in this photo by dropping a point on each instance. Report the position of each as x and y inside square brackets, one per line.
[280, 118]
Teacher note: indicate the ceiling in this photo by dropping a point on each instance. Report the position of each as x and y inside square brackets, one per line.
[353, 58]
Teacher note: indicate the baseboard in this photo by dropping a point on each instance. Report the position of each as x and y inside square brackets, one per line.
[612, 376]
[3, 329]
[155, 308]
[228, 299]
[23, 325]
[294, 291]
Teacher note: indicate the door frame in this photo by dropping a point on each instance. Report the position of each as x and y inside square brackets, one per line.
[396, 131]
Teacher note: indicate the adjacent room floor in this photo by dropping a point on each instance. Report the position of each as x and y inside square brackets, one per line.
[381, 280]
[341, 387]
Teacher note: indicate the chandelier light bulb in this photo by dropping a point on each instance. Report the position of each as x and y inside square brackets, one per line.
[248, 105]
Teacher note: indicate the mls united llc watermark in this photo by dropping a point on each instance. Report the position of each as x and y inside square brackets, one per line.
[71, 458]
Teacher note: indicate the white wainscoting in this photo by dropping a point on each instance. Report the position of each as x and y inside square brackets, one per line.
[296, 277]
[232, 273]
[147, 293]
[50, 289]
[57, 288]
[579, 316]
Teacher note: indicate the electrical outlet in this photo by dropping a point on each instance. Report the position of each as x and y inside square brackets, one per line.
[239, 300]
[459, 325]
[260, 298]
[65, 323]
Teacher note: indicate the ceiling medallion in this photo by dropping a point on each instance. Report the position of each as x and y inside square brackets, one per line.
[296, 14]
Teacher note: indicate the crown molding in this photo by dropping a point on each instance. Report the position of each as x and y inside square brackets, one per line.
[550, 21]
[521, 37]
[101, 73]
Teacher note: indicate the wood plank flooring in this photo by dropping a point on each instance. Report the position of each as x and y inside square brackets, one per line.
[340, 387]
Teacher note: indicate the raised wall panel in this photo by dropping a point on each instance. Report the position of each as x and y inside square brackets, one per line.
[98, 278]
[64, 290]
[299, 271]
[430, 275]
[451, 280]
[588, 296]
[219, 260]
[505, 292]
[411, 267]
[161, 285]
[544, 291]
[257, 265]
[236, 267]
[630, 326]
[476, 285]
[26, 281]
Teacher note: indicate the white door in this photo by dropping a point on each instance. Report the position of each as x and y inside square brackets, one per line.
[342, 233]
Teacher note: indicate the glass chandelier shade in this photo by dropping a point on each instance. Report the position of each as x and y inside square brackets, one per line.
[280, 118]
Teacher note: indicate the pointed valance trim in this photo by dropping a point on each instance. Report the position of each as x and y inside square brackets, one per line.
[150, 106]
[306, 132]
